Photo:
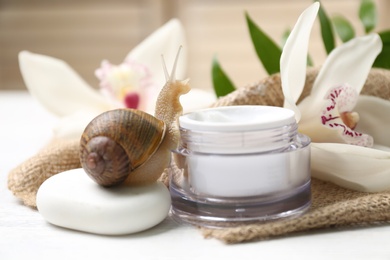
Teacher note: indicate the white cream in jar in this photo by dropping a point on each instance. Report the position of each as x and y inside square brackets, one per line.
[240, 163]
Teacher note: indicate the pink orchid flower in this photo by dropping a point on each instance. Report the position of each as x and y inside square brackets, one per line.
[125, 84]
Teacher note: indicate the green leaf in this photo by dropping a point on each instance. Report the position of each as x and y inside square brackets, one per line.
[326, 30]
[309, 61]
[222, 84]
[285, 35]
[368, 15]
[383, 59]
[268, 52]
[343, 28]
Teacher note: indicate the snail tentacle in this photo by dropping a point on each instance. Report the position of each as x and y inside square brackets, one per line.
[168, 106]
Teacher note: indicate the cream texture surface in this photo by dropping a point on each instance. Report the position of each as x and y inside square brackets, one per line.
[237, 118]
[72, 200]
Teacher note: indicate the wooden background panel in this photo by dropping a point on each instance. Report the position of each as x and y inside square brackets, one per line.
[85, 32]
[80, 32]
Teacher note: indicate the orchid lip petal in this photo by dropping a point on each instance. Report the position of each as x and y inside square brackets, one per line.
[57, 86]
[336, 133]
[351, 166]
[337, 115]
[294, 58]
[374, 118]
[164, 41]
[349, 63]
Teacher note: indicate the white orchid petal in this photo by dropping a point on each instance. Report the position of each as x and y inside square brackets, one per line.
[197, 99]
[382, 147]
[374, 118]
[57, 86]
[72, 126]
[309, 111]
[351, 166]
[294, 58]
[349, 63]
[164, 41]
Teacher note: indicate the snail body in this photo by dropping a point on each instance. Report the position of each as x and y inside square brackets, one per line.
[129, 146]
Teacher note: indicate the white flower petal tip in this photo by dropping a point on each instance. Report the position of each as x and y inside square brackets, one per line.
[164, 41]
[352, 167]
[294, 58]
[197, 99]
[57, 86]
[72, 126]
[349, 63]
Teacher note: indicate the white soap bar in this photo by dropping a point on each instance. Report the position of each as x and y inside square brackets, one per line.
[72, 200]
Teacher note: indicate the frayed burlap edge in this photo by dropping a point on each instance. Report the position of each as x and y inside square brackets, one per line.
[55, 157]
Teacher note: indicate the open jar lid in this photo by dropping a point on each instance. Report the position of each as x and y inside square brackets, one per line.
[237, 118]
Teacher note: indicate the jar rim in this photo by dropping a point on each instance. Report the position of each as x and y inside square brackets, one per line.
[237, 118]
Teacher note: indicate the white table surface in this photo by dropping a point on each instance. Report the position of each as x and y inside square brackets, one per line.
[25, 127]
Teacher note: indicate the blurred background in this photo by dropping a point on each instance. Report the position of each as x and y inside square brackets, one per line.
[83, 33]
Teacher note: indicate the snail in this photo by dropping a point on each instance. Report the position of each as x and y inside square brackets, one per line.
[129, 146]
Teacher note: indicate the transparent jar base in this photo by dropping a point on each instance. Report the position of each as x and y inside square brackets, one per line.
[217, 212]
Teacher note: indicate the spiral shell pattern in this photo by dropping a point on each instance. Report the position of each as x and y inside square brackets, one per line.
[118, 141]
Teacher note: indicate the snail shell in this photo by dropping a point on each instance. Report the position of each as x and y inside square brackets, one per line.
[117, 142]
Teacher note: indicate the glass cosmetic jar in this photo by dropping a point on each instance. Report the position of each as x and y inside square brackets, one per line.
[239, 164]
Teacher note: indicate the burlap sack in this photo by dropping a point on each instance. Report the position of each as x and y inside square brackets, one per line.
[332, 206]
[56, 157]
